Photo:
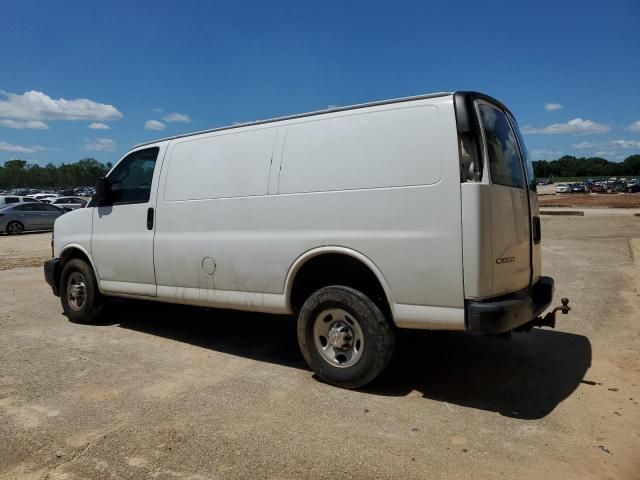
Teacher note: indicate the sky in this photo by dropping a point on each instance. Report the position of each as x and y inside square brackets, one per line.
[92, 79]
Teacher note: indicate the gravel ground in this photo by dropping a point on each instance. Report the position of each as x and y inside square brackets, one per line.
[26, 250]
[167, 392]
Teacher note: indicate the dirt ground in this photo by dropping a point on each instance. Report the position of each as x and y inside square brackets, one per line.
[166, 392]
[26, 250]
[624, 200]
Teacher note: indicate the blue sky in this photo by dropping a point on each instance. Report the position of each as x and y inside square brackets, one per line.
[91, 79]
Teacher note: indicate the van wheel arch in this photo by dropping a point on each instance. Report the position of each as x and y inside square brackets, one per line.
[68, 255]
[329, 268]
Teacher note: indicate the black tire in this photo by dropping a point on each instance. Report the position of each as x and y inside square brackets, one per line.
[88, 310]
[15, 228]
[376, 331]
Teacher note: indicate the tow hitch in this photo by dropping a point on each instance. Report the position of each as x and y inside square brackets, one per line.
[549, 320]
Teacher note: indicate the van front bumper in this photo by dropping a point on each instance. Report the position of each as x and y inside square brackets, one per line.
[508, 312]
[52, 274]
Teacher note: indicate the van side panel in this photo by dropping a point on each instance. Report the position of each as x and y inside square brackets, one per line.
[219, 165]
[395, 147]
[399, 207]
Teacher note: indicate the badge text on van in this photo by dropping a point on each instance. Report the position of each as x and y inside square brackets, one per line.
[502, 260]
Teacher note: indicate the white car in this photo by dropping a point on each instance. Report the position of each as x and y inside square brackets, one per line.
[69, 202]
[416, 213]
[44, 197]
[563, 188]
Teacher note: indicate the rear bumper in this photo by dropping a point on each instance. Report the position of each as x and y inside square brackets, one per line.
[508, 312]
[52, 274]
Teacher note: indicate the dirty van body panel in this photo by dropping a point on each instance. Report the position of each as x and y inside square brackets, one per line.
[121, 240]
[497, 227]
[381, 182]
[510, 233]
[501, 230]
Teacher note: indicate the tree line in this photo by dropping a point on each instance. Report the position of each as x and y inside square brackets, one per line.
[20, 174]
[569, 166]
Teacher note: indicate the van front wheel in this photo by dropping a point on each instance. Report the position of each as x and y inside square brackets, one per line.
[81, 300]
[344, 337]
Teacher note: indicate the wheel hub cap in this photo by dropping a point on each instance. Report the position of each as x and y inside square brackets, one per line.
[338, 337]
[76, 291]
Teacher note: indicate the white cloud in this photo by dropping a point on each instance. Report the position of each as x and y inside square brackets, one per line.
[613, 155]
[154, 125]
[35, 105]
[100, 145]
[34, 124]
[625, 143]
[608, 146]
[634, 127]
[584, 145]
[541, 154]
[8, 147]
[177, 117]
[552, 107]
[577, 126]
[99, 126]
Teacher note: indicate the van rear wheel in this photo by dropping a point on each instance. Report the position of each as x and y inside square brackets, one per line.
[344, 337]
[79, 294]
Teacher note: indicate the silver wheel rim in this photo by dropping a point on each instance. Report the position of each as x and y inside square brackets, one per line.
[76, 291]
[338, 337]
[14, 228]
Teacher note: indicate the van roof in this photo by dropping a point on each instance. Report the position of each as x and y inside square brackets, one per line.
[301, 115]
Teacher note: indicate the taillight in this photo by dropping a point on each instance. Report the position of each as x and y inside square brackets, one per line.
[470, 165]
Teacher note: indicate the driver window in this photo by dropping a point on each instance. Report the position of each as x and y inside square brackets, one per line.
[131, 179]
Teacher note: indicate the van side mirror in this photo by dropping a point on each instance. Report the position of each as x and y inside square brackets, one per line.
[103, 193]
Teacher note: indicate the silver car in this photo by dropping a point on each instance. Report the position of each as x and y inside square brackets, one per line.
[8, 199]
[19, 217]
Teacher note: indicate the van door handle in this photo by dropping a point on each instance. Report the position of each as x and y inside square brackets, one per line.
[150, 218]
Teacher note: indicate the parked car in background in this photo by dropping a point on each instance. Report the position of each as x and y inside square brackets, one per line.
[69, 202]
[597, 188]
[563, 188]
[20, 217]
[44, 197]
[8, 199]
[579, 188]
[545, 181]
[616, 185]
[633, 186]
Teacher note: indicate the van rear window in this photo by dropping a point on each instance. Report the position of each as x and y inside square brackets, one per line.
[502, 148]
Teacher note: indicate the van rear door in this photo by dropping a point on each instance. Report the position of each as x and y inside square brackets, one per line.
[509, 199]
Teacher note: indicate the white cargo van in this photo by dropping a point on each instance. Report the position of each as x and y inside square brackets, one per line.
[416, 213]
